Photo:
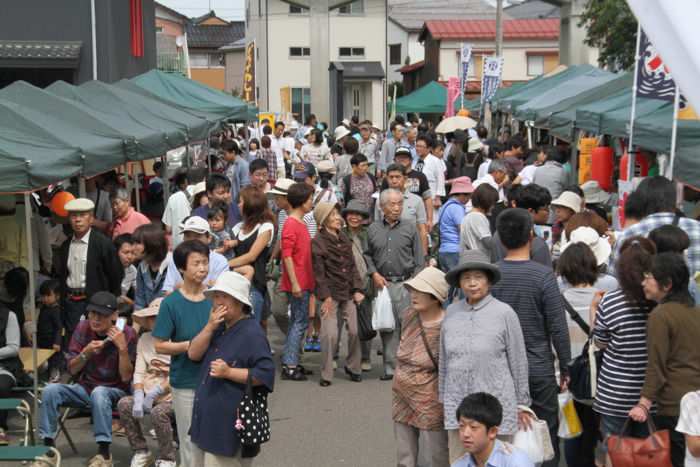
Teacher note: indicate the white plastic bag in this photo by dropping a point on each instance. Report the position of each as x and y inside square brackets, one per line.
[536, 442]
[569, 422]
[382, 312]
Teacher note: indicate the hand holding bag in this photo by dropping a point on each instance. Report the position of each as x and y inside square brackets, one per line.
[252, 417]
[653, 451]
[536, 442]
[383, 312]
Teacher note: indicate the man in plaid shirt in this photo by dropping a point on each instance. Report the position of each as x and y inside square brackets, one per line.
[268, 154]
[659, 194]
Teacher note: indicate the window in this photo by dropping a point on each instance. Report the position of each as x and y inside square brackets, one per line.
[395, 54]
[200, 60]
[535, 65]
[354, 52]
[298, 10]
[301, 103]
[299, 52]
[355, 8]
[159, 29]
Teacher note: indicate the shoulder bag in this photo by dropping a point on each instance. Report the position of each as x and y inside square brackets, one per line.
[252, 417]
[653, 451]
[583, 370]
[425, 343]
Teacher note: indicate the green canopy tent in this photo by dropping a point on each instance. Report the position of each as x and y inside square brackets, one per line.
[540, 85]
[558, 96]
[430, 98]
[191, 95]
[177, 126]
[79, 125]
[560, 118]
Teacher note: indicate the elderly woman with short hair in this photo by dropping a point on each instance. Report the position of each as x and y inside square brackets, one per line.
[125, 218]
[232, 349]
[482, 349]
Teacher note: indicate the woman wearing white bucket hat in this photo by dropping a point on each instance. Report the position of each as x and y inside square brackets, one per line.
[232, 347]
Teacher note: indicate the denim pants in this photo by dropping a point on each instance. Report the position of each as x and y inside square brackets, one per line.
[257, 299]
[298, 322]
[100, 402]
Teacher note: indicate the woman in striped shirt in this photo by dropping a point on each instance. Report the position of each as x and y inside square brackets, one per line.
[620, 329]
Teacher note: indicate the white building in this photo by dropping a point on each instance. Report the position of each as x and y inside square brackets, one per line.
[357, 41]
[406, 19]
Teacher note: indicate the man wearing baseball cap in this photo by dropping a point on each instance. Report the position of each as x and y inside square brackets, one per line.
[86, 263]
[196, 228]
[101, 357]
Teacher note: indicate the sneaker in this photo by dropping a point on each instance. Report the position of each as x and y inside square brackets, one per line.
[316, 344]
[309, 345]
[366, 366]
[99, 461]
[354, 377]
[142, 459]
[4, 439]
[164, 463]
[293, 374]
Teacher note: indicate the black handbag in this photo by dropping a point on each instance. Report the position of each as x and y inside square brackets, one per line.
[252, 417]
[583, 370]
[364, 322]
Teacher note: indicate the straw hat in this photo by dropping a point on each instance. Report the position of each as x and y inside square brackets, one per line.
[233, 284]
[569, 199]
[431, 281]
[322, 211]
[473, 260]
[462, 185]
[599, 246]
[281, 187]
[593, 193]
[150, 311]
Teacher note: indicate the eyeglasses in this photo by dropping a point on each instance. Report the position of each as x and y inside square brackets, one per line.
[648, 275]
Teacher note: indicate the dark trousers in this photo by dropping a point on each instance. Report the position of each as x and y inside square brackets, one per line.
[6, 385]
[665, 422]
[545, 403]
[580, 451]
[72, 312]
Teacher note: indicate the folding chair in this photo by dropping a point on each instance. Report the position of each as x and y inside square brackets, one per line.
[29, 451]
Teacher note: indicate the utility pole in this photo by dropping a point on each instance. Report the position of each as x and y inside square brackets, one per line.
[499, 28]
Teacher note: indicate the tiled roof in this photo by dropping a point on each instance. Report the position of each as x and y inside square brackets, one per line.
[411, 14]
[513, 29]
[57, 50]
[214, 36]
[411, 67]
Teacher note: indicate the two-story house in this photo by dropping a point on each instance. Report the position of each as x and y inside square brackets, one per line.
[357, 42]
[530, 48]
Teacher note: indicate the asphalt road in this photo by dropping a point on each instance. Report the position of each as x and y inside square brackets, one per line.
[346, 424]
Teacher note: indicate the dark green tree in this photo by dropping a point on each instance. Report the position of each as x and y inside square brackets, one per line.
[612, 28]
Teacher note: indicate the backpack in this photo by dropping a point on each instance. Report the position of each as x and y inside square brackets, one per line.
[347, 191]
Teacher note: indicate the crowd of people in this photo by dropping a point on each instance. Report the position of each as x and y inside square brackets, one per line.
[499, 271]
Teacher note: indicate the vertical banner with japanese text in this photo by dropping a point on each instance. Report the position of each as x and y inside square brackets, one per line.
[465, 57]
[490, 78]
[249, 86]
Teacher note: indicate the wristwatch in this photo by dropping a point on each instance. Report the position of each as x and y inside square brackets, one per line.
[83, 357]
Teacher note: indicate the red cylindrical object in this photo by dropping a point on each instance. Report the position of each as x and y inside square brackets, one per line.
[641, 165]
[602, 163]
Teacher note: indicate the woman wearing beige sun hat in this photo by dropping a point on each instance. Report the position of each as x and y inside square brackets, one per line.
[416, 408]
[151, 395]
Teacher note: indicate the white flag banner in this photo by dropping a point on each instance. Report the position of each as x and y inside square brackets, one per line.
[672, 28]
[491, 78]
[464, 57]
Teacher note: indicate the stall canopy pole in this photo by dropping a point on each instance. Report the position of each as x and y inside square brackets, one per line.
[137, 186]
[630, 154]
[672, 158]
[32, 294]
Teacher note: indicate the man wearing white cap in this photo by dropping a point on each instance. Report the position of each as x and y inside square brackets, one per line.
[196, 228]
[86, 263]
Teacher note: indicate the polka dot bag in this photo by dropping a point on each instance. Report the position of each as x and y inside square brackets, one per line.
[252, 418]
